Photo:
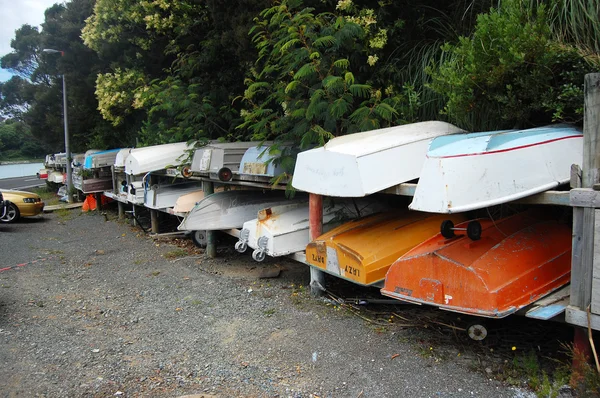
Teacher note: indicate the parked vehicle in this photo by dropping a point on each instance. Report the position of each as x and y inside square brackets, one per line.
[20, 204]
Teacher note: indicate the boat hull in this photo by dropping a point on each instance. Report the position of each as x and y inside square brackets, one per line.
[520, 164]
[362, 250]
[166, 195]
[231, 209]
[282, 230]
[364, 163]
[517, 261]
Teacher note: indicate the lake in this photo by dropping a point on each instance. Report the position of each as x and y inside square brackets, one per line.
[19, 170]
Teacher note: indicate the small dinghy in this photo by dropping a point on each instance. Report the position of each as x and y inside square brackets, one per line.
[472, 171]
[282, 230]
[219, 160]
[362, 250]
[158, 157]
[516, 261]
[357, 165]
[162, 196]
[231, 209]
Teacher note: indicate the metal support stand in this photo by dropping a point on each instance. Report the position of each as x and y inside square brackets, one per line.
[211, 243]
[315, 220]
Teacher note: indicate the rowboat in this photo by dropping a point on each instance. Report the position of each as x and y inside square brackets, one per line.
[163, 196]
[100, 159]
[257, 164]
[473, 171]
[360, 164]
[158, 157]
[231, 209]
[135, 192]
[362, 250]
[219, 160]
[56, 177]
[185, 203]
[282, 230]
[517, 260]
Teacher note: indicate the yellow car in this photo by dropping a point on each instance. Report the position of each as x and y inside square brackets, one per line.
[20, 204]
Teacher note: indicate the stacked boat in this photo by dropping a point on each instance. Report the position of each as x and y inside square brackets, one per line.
[443, 248]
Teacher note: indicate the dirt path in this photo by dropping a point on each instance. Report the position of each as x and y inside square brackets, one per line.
[97, 308]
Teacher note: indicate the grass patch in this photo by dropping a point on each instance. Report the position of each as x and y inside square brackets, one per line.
[269, 312]
[176, 253]
[65, 214]
[50, 198]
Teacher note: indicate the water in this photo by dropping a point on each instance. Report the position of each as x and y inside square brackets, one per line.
[19, 170]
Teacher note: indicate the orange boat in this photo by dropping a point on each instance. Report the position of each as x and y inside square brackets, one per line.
[517, 260]
[362, 250]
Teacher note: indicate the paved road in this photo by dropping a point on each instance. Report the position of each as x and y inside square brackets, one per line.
[21, 182]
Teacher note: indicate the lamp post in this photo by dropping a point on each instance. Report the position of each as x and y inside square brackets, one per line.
[67, 149]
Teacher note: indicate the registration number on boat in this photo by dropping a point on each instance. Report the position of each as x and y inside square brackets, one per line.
[350, 270]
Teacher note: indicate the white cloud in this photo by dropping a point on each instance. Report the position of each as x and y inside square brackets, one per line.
[15, 13]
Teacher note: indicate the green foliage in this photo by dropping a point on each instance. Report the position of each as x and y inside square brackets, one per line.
[510, 73]
[17, 142]
[311, 81]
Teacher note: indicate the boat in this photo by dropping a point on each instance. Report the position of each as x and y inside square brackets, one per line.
[257, 164]
[362, 250]
[42, 174]
[357, 165]
[120, 180]
[163, 196]
[516, 261]
[158, 157]
[135, 192]
[472, 171]
[100, 159]
[185, 203]
[284, 229]
[56, 177]
[219, 160]
[231, 209]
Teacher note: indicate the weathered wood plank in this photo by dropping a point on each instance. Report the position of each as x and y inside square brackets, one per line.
[595, 297]
[559, 198]
[575, 176]
[584, 197]
[575, 316]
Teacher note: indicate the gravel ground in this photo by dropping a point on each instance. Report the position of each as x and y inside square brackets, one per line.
[97, 308]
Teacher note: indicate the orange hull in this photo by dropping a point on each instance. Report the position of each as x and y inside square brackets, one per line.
[362, 250]
[518, 260]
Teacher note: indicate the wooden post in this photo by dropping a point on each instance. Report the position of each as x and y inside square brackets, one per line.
[315, 222]
[154, 221]
[121, 207]
[582, 264]
[211, 243]
[99, 202]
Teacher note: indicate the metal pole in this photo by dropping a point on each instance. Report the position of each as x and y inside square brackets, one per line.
[67, 149]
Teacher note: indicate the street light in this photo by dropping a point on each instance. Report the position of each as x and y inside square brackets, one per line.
[67, 151]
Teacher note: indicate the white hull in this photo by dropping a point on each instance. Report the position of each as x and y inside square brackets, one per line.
[231, 209]
[459, 182]
[99, 159]
[213, 157]
[56, 177]
[360, 164]
[185, 203]
[152, 158]
[135, 192]
[163, 196]
[282, 230]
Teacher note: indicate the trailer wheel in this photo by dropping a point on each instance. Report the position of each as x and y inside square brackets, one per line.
[477, 331]
[241, 246]
[258, 255]
[474, 230]
[199, 238]
[447, 229]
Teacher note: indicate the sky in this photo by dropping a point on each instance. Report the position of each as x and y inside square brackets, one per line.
[13, 14]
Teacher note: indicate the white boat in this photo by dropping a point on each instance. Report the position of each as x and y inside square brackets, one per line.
[163, 196]
[120, 159]
[158, 157]
[56, 177]
[282, 230]
[219, 160]
[360, 164]
[100, 159]
[231, 209]
[135, 192]
[473, 171]
[257, 165]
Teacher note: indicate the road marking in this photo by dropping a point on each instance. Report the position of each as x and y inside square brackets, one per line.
[32, 179]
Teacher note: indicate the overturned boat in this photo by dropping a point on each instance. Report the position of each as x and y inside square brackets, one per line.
[219, 160]
[166, 195]
[357, 165]
[472, 171]
[282, 230]
[362, 250]
[516, 261]
[231, 209]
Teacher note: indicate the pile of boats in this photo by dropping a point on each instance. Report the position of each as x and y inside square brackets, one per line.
[438, 245]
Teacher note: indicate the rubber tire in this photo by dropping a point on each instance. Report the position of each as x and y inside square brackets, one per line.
[258, 255]
[12, 214]
[474, 230]
[241, 246]
[477, 331]
[446, 229]
[199, 238]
